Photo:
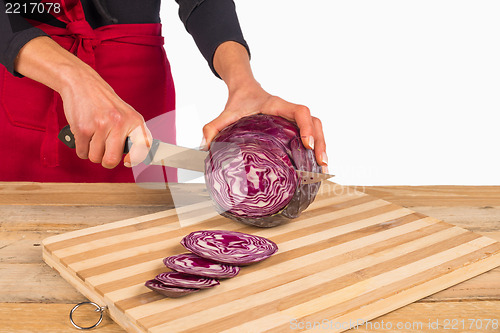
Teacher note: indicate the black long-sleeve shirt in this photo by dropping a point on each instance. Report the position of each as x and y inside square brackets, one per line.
[210, 22]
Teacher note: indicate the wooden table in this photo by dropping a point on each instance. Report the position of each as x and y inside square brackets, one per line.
[34, 298]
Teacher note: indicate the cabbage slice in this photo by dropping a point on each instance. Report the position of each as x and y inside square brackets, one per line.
[229, 247]
[176, 279]
[168, 291]
[191, 263]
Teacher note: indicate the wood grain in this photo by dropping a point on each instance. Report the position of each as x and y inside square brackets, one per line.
[432, 318]
[35, 194]
[30, 212]
[350, 255]
[450, 196]
[42, 318]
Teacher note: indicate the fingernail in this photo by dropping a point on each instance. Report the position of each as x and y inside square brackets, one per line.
[324, 158]
[310, 140]
[127, 164]
[325, 169]
[203, 144]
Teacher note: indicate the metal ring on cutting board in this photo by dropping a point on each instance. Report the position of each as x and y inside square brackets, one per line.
[98, 309]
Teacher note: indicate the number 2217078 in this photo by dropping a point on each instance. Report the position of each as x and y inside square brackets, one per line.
[32, 8]
[472, 324]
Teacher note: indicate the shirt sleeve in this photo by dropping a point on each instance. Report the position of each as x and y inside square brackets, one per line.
[15, 32]
[211, 23]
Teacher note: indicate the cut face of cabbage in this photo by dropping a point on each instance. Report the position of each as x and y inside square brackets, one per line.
[191, 263]
[230, 247]
[168, 291]
[250, 171]
[182, 280]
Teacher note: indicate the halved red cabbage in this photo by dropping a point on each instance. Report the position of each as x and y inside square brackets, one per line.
[176, 279]
[230, 247]
[168, 291]
[250, 171]
[191, 263]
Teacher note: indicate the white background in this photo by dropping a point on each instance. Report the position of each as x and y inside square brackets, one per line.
[408, 91]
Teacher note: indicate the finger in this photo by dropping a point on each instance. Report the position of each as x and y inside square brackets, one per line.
[305, 123]
[141, 139]
[211, 129]
[320, 144]
[97, 146]
[298, 113]
[82, 142]
[126, 161]
[114, 145]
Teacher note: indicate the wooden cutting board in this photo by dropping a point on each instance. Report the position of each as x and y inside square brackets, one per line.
[349, 258]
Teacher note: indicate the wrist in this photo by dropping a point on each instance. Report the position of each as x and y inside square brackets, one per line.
[74, 75]
[239, 83]
[232, 63]
[67, 76]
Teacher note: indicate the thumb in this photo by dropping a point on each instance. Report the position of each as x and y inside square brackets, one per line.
[141, 139]
[213, 128]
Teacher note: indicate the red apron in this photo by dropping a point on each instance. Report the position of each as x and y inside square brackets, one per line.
[130, 57]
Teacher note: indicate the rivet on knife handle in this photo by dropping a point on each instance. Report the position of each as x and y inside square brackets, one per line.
[68, 138]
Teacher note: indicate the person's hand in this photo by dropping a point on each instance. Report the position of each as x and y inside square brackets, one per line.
[101, 122]
[246, 97]
[251, 99]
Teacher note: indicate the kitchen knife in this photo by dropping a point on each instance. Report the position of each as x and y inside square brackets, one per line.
[166, 154]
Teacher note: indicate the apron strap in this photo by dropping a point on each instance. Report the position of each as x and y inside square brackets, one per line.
[49, 153]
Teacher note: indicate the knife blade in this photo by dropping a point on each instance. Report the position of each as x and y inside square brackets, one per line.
[167, 154]
[192, 159]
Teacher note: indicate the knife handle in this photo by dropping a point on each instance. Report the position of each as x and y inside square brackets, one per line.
[68, 138]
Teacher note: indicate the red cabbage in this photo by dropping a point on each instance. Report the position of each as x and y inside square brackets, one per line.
[250, 171]
[176, 279]
[190, 263]
[230, 247]
[168, 291]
